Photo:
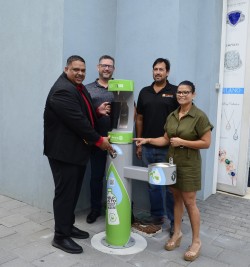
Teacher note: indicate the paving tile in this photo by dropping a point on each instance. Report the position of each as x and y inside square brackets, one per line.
[18, 240]
[239, 237]
[176, 255]
[247, 239]
[174, 264]
[97, 227]
[6, 256]
[243, 221]
[5, 231]
[26, 210]
[210, 251]
[146, 258]
[14, 241]
[92, 257]
[45, 235]
[225, 228]
[86, 242]
[213, 218]
[4, 199]
[154, 245]
[12, 204]
[4, 213]
[246, 248]
[124, 258]
[17, 263]
[208, 262]
[210, 234]
[34, 251]
[234, 258]
[240, 228]
[13, 220]
[49, 224]
[227, 216]
[58, 258]
[28, 227]
[106, 263]
[230, 243]
[40, 217]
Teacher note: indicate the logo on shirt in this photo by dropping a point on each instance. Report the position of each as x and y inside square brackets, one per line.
[167, 95]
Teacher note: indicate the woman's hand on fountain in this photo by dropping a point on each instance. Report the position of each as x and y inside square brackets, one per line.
[141, 141]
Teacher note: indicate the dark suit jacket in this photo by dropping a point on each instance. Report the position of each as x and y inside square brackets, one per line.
[68, 133]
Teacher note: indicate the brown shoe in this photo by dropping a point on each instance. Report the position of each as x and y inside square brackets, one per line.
[192, 255]
[146, 230]
[172, 244]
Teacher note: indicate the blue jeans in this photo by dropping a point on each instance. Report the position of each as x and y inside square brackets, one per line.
[156, 192]
[98, 164]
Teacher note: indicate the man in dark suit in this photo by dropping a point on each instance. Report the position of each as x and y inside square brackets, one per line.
[69, 134]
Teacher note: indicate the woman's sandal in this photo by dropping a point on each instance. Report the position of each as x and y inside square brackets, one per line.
[171, 245]
[191, 255]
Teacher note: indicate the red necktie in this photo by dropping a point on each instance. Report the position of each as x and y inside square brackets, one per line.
[80, 88]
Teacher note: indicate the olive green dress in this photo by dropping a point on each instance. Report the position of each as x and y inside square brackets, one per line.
[192, 126]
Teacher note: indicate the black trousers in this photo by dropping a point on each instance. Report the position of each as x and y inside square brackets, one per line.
[68, 180]
[98, 164]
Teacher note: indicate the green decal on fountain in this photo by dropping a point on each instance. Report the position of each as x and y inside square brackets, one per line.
[118, 213]
[121, 137]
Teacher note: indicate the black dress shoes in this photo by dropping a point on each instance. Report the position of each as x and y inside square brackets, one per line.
[93, 215]
[67, 244]
[77, 233]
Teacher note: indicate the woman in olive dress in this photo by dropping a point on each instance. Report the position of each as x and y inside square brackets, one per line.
[187, 130]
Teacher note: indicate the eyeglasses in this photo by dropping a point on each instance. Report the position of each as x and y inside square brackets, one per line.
[104, 66]
[185, 93]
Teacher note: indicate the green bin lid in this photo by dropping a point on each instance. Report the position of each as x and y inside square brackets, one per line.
[121, 85]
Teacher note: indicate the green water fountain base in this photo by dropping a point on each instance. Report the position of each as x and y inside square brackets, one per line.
[129, 244]
[136, 245]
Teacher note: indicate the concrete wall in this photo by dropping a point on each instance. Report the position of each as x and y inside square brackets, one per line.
[38, 37]
[89, 31]
[146, 30]
[206, 76]
[187, 32]
[198, 60]
[31, 58]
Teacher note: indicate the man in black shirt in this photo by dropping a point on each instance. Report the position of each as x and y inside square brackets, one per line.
[155, 103]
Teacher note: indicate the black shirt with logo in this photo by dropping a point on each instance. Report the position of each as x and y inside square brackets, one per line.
[155, 107]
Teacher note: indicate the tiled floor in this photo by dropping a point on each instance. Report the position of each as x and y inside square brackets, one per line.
[26, 233]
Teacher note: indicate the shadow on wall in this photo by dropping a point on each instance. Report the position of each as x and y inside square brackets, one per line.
[248, 184]
[140, 196]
